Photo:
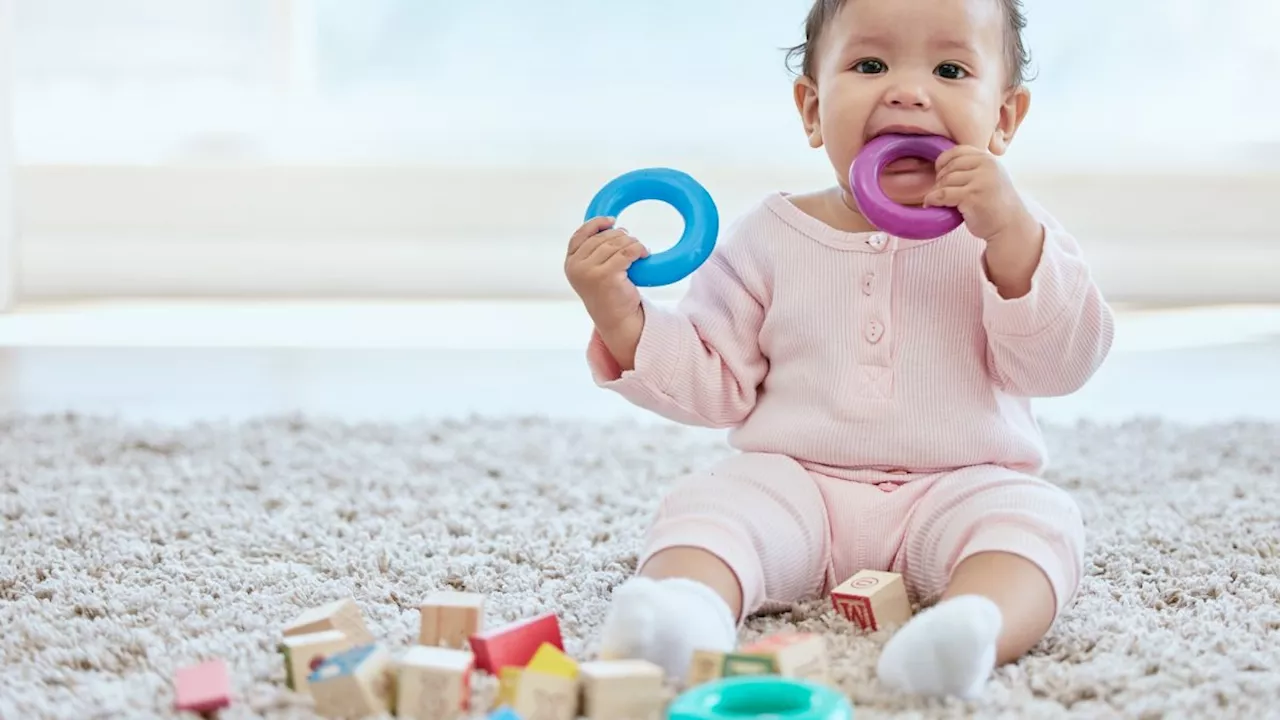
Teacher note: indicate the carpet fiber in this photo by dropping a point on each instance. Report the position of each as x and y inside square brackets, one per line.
[127, 551]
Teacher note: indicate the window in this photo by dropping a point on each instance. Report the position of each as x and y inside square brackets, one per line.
[403, 147]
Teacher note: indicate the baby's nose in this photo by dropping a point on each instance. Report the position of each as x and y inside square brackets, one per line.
[907, 95]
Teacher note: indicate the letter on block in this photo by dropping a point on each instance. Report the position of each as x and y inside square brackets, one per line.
[434, 683]
[354, 683]
[873, 600]
[449, 618]
[622, 690]
[546, 697]
[341, 615]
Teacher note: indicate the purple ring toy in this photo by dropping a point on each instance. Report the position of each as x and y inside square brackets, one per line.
[906, 222]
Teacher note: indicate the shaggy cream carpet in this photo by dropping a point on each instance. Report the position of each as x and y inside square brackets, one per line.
[127, 551]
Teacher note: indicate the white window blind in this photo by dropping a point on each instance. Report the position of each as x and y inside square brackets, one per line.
[426, 148]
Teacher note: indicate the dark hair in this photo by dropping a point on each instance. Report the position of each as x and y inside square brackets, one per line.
[1016, 55]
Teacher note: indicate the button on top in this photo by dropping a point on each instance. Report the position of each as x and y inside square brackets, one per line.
[878, 241]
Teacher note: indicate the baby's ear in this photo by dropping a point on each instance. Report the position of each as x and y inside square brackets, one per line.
[1017, 101]
[806, 97]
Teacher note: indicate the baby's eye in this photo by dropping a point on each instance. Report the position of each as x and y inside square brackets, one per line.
[870, 66]
[950, 71]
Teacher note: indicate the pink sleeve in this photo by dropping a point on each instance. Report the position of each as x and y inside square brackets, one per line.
[1052, 340]
[699, 363]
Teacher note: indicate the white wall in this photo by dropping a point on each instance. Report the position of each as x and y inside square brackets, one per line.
[8, 226]
[360, 231]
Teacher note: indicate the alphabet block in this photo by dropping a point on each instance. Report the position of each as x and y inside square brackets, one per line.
[354, 683]
[622, 690]
[434, 683]
[873, 600]
[449, 618]
[304, 653]
[341, 615]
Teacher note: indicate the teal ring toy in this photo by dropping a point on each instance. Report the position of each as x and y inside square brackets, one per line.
[761, 696]
[680, 191]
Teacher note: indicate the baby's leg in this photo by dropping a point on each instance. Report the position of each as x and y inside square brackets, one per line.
[1005, 554]
[753, 530]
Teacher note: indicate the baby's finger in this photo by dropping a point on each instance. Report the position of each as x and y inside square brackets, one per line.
[622, 259]
[962, 161]
[956, 178]
[593, 243]
[588, 230]
[608, 243]
[944, 197]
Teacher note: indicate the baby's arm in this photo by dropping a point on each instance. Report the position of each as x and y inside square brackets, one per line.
[1051, 340]
[699, 363]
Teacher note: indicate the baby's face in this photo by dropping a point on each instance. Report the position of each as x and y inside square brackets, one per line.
[919, 66]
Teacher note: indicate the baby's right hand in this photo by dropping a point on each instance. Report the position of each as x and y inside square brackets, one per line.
[597, 263]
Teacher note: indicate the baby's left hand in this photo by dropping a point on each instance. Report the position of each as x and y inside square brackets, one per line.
[974, 182]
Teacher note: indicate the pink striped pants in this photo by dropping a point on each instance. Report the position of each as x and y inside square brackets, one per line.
[791, 535]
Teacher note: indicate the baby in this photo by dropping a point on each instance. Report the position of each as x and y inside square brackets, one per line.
[876, 388]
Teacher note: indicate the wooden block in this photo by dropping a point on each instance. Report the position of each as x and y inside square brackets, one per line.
[551, 660]
[708, 665]
[341, 615]
[354, 683]
[546, 697]
[516, 643]
[449, 618]
[202, 688]
[304, 653]
[508, 684]
[434, 683]
[622, 690]
[796, 655]
[873, 600]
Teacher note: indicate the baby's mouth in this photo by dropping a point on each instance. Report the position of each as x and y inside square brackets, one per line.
[908, 165]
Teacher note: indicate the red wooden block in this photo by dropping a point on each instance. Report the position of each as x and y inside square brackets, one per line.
[202, 688]
[515, 644]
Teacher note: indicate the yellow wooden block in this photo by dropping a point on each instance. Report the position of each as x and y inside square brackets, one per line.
[622, 690]
[508, 685]
[550, 660]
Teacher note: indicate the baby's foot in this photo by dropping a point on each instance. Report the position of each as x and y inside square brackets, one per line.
[665, 621]
[948, 649]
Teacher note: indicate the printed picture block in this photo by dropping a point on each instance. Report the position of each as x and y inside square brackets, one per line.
[354, 683]
[304, 653]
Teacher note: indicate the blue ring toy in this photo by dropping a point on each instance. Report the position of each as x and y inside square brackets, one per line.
[761, 696]
[682, 192]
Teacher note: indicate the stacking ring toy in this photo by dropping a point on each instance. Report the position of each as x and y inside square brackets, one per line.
[760, 696]
[906, 222]
[691, 200]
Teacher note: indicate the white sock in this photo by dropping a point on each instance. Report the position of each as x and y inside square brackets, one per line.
[948, 649]
[665, 621]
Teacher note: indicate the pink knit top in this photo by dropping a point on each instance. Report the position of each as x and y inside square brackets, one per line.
[863, 351]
